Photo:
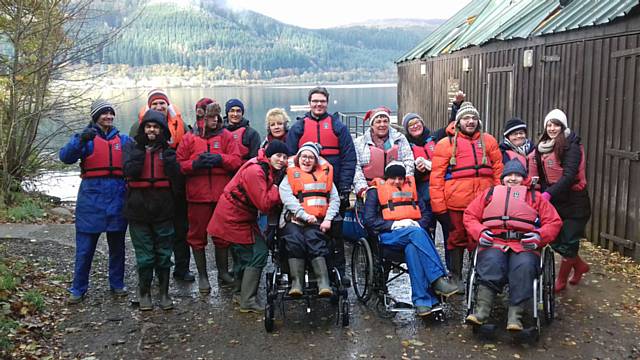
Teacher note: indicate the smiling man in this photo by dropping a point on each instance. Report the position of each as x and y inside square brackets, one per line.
[465, 163]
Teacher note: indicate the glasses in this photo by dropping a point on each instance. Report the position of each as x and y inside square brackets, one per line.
[415, 124]
[318, 101]
[469, 118]
[307, 157]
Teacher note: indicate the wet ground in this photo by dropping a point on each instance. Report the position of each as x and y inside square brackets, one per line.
[597, 320]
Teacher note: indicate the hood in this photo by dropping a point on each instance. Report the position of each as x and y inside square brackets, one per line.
[157, 117]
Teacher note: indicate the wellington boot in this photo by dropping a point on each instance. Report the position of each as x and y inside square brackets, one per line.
[565, 269]
[484, 303]
[145, 277]
[237, 285]
[296, 270]
[514, 318]
[249, 291]
[222, 264]
[319, 265]
[457, 256]
[579, 268]
[163, 287]
[203, 278]
[444, 287]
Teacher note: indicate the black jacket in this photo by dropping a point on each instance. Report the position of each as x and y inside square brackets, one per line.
[442, 132]
[149, 205]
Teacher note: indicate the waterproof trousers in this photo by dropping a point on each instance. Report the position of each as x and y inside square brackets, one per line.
[199, 216]
[305, 242]
[568, 242]
[152, 243]
[85, 248]
[496, 268]
[422, 260]
[181, 251]
[423, 193]
[254, 255]
[458, 237]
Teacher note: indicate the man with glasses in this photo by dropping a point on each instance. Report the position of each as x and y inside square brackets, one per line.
[337, 147]
[464, 164]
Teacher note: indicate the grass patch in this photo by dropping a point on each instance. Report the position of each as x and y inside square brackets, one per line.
[7, 326]
[34, 298]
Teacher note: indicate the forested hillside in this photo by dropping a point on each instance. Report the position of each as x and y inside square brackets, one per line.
[216, 38]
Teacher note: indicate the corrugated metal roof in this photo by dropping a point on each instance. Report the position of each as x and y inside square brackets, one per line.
[484, 20]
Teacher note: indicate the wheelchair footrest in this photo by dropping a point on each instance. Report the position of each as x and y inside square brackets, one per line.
[393, 305]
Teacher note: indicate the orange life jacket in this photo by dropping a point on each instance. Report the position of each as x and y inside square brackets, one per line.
[238, 134]
[378, 161]
[105, 160]
[469, 160]
[398, 204]
[508, 209]
[174, 123]
[553, 170]
[312, 189]
[152, 173]
[321, 132]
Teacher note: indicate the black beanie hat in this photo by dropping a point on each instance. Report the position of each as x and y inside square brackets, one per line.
[395, 169]
[514, 124]
[276, 147]
[514, 166]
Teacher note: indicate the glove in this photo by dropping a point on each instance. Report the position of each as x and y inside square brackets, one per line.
[216, 160]
[204, 161]
[531, 241]
[545, 195]
[141, 141]
[344, 200]
[486, 238]
[427, 164]
[88, 134]
[169, 155]
[445, 220]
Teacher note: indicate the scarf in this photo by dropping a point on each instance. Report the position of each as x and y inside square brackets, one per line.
[546, 146]
[522, 149]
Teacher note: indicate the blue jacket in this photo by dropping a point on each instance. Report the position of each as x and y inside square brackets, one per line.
[376, 224]
[100, 200]
[344, 165]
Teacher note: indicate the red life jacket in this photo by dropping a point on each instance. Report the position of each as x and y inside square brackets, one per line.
[312, 189]
[378, 161]
[508, 209]
[553, 170]
[106, 159]
[152, 173]
[469, 160]
[398, 204]
[426, 151]
[238, 134]
[514, 155]
[321, 132]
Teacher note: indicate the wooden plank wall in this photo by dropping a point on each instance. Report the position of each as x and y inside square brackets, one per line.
[595, 79]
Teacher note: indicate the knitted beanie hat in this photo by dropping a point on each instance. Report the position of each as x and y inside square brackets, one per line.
[99, 107]
[156, 94]
[232, 103]
[512, 125]
[514, 166]
[276, 147]
[310, 146]
[556, 114]
[466, 108]
[407, 118]
[395, 169]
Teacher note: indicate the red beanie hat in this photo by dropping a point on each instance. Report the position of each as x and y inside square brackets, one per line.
[202, 103]
[156, 94]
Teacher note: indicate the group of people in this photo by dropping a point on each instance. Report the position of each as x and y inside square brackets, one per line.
[176, 185]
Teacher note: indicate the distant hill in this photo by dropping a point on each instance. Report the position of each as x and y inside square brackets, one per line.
[205, 34]
[427, 24]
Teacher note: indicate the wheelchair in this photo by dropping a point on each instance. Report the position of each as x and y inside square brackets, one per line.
[543, 300]
[373, 268]
[277, 284]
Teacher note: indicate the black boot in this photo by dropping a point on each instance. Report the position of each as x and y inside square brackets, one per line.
[222, 264]
[457, 256]
[145, 277]
[163, 286]
[203, 278]
[249, 290]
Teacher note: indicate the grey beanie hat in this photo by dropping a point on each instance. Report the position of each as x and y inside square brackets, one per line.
[99, 107]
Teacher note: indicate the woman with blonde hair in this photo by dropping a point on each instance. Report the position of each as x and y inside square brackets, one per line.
[277, 122]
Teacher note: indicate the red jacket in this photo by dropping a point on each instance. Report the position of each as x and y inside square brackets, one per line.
[206, 185]
[456, 194]
[236, 215]
[550, 221]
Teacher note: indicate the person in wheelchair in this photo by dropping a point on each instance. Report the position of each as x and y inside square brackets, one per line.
[394, 213]
[510, 224]
[310, 202]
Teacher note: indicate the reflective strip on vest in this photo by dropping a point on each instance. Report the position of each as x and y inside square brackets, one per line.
[315, 186]
[317, 202]
[401, 194]
[312, 189]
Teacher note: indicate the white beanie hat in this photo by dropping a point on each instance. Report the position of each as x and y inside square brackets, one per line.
[310, 146]
[557, 114]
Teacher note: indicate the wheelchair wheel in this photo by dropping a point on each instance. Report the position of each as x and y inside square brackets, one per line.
[548, 291]
[471, 285]
[269, 317]
[345, 313]
[362, 269]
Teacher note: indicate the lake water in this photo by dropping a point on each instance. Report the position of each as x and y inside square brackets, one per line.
[257, 100]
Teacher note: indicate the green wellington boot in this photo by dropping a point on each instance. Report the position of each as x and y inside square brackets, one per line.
[296, 270]
[145, 277]
[484, 303]
[319, 265]
[163, 285]
[249, 291]
[514, 318]
[222, 264]
[203, 278]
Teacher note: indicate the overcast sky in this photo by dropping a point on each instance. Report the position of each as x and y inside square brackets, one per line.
[329, 13]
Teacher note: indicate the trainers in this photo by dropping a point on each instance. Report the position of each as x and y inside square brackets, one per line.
[119, 292]
[423, 311]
